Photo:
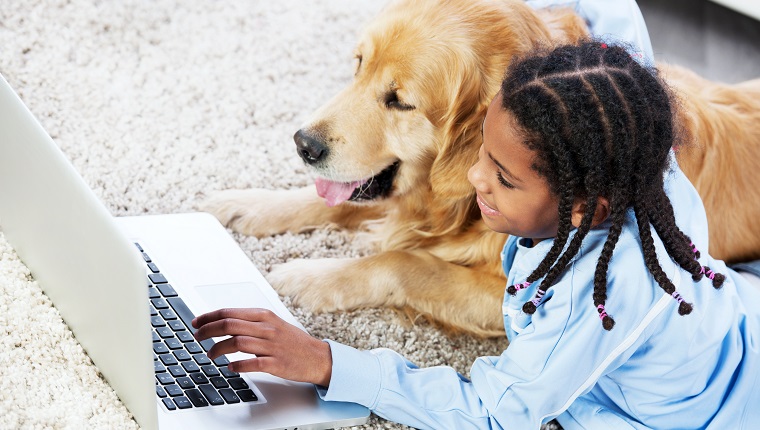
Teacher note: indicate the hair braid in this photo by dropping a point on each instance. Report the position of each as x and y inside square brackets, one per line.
[529, 307]
[540, 94]
[650, 258]
[613, 108]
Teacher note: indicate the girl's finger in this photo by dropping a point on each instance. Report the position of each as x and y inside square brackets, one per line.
[247, 344]
[259, 364]
[247, 314]
[229, 327]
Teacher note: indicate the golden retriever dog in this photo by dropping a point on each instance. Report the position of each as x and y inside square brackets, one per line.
[392, 150]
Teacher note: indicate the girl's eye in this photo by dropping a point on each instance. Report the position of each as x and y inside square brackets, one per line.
[503, 181]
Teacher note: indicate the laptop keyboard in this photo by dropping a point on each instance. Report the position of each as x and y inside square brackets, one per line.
[185, 376]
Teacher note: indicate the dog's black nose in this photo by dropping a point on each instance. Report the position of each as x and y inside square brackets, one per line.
[310, 149]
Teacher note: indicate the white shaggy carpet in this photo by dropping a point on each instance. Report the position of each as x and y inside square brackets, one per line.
[158, 104]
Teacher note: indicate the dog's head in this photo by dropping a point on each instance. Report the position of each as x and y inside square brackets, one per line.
[410, 119]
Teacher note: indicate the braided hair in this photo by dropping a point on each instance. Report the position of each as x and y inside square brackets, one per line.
[602, 126]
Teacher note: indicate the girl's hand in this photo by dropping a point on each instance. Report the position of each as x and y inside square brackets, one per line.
[281, 349]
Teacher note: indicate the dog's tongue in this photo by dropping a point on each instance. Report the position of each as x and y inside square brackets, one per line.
[336, 193]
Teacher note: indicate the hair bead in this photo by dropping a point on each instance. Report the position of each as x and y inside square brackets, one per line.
[607, 321]
[716, 278]
[513, 289]
[530, 306]
[695, 250]
[683, 307]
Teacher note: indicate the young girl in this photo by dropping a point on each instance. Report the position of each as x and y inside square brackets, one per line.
[617, 317]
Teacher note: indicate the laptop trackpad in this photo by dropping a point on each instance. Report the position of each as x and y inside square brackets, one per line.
[242, 295]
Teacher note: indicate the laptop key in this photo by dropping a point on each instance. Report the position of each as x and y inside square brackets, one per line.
[157, 278]
[139, 248]
[191, 367]
[199, 378]
[167, 290]
[177, 371]
[221, 361]
[168, 359]
[182, 402]
[211, 394]
[173, 390]
[160, 348]
[211, 371]
[156, 337]
[153, 293]
[229, 395]
[237, 383]
[219, 382]
[177, 325]
[181, 355]
[196, 397]
[201, 359]
[165, 378]
[156, 322]
[158, 367]
[145, 257]
[165, 332]
[160, 304]
[228, 373]
[247, 395]
[185, 382]
[168, 314]
[193, 348]
[185, 336]
[173, 343]
[169, 404]
[153, 268]
[160, 391]
[207, 344]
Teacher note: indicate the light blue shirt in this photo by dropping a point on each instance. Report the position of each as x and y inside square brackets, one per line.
[655, 369]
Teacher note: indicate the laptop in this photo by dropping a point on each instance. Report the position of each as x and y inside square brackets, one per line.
[128, 286]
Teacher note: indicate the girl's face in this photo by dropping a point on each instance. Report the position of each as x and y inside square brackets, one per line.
[512, 197]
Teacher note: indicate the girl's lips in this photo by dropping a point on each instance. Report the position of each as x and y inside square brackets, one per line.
[485, 209]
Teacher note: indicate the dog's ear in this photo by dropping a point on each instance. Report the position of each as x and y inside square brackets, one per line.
[460, 139]
[457, 150]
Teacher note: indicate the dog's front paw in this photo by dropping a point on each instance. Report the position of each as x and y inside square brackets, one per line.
[321, 285]
[250, 212]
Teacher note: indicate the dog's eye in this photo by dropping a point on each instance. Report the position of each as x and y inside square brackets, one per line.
[392, 102]
[358, 62]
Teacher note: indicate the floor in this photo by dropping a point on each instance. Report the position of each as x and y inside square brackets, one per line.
[714, 41]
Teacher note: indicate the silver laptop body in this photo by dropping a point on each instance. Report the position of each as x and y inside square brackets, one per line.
[86, 262]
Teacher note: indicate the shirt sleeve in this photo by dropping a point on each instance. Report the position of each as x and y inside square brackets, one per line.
[613, 20]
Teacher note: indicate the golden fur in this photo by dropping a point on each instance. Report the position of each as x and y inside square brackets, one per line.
[435, 256]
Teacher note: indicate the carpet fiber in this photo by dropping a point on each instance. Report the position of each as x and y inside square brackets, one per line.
[158, 104]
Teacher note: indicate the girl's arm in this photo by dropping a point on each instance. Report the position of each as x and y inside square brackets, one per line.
[556, 359]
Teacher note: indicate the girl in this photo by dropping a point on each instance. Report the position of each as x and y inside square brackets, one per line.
[615, 318]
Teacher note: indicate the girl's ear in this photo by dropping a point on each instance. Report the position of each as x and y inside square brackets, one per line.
[601, 213]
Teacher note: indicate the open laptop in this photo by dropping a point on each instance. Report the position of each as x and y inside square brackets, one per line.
[127, 288]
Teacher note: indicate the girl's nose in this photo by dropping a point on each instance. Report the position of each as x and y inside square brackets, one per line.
[477, 178]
